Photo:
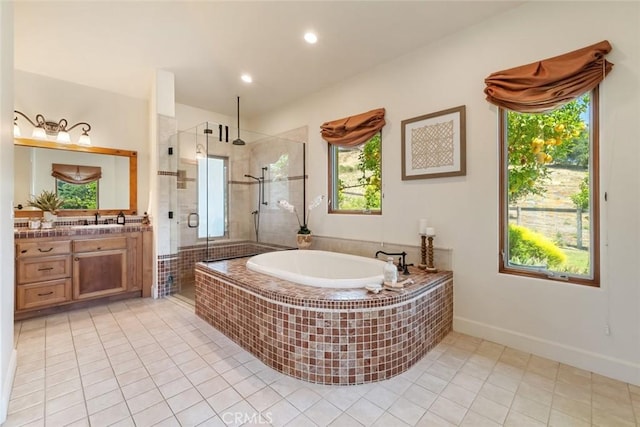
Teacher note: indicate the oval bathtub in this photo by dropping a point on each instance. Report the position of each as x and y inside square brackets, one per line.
[319, 268]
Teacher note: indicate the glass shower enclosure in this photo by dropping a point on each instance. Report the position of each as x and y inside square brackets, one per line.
[227, 194]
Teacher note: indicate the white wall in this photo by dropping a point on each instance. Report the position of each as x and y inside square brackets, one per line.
[557, 320]
[7, 352]
[189, 117]
[116, 121]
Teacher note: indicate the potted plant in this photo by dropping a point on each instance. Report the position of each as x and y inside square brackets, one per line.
[48, 202]
[304, 234]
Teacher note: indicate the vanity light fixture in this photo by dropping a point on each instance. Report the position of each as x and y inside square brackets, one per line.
[42, 129]
[246, 78]
[310, 38]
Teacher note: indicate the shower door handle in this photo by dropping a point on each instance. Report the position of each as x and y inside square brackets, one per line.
[193, 220]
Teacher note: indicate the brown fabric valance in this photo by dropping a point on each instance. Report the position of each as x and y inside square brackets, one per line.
[76, 174]
[353, 130]
[548, 84]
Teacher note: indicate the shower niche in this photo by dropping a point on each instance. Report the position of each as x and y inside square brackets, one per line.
[226, 194]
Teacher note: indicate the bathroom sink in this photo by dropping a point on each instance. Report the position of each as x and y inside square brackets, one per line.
[94, 226]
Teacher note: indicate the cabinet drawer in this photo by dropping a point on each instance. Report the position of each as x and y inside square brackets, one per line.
[43, 294]
[43, 268]
[24, 249]
[94, 245]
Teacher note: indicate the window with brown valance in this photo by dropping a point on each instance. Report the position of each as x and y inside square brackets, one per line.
[548, 84]
[353, 130]
[76, 174]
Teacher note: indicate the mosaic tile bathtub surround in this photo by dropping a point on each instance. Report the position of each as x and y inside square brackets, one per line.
[323, 335]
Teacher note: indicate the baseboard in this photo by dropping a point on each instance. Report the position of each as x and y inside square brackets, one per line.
[601, 364]
[7, 385]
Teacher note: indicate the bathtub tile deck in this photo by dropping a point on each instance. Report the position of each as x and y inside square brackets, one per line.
[494, 385]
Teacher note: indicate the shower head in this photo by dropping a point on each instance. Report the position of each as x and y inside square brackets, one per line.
[251, 176]
[238, 141]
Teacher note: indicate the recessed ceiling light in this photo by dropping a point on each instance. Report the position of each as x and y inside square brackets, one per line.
[310, 38]
[246, 78]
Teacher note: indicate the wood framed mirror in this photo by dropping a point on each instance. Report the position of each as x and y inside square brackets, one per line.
[117, 188]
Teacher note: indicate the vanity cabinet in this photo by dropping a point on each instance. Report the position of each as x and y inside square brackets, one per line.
[99, 267]
[43, 273]
[56, 273]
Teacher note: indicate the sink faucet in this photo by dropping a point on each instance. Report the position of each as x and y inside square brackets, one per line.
[402, 264]
[97, 215]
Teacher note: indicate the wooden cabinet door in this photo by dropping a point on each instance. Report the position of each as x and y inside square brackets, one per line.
[99, 273]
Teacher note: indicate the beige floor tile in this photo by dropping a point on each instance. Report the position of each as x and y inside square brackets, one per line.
[196, 414]
[264, 398]
[407, 411]
[184, 400]
[153, 414]
[534, 393]
[27, 401]
[448, 410]
[224, 399]
[364, 411]
[144, 400]
[138, 387]
[302, 398]
[432, 420]
[497, 394]
[132, 376]
[432, 383]
[490, 409]
[531, 408]
[517, 419]
[34, 414]
[281, 413]
[67, 415]
[212, 386]
[560, 419]
[169, 375]
[322, 413]
[104, 401]
[115, 416]
[603, 418]
[468, 381]
[63, 402]
[459, 395]
[473, 419]
[572, 407]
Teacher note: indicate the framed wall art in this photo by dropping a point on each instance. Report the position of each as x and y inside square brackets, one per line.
[434, 145]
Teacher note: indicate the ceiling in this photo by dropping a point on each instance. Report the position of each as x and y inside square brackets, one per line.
[117, 45]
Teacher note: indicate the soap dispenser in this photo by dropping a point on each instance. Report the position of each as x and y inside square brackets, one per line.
[120, 219]
[390, 272]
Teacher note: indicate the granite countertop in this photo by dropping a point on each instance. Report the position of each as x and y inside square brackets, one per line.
[76, 230]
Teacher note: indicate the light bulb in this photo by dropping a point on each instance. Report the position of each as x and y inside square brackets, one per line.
[39, 133]
[16, 131]
[63, 137]
[84, 139]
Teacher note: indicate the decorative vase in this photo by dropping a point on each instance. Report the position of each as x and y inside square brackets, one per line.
[304, 240]
[48, 216]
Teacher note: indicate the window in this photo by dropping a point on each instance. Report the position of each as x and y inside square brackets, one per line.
[355, 177]
[212, 197]
[549, 192]
[78, 196]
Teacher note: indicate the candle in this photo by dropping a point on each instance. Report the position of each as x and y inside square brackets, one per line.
[423, 226]
[431, 231]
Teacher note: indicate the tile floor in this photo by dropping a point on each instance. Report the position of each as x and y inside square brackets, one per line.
[147, 362]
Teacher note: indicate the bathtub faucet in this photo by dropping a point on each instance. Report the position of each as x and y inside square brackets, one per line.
[402, 264]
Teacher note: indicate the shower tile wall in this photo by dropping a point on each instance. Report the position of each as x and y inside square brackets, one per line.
[284, 180]
[165, 194]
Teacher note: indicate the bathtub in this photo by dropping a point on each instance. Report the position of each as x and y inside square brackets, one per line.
[321, 269]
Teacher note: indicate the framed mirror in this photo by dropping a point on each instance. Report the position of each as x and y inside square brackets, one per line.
[117, 187]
